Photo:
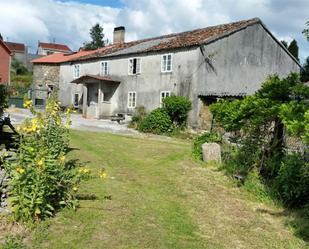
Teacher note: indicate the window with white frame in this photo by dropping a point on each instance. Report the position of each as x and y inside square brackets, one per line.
[131, 99]
[163, 95]
[75, 99]
[134, 66]
[166, 63]
[104, 68]
[76, 71]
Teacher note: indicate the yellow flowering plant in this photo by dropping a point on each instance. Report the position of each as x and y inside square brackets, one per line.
[42, 180]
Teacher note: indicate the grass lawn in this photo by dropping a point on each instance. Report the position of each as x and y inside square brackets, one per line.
[156, 196]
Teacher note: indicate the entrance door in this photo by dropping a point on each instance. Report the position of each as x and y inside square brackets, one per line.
[92, 100]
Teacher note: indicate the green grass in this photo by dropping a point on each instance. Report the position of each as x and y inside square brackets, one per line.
[156, 196]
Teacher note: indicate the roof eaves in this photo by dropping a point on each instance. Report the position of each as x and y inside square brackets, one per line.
[6, 47]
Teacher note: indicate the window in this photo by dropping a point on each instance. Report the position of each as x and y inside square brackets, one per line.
[39, 102]
[166, 63]
[163, 95]
[76, 71]
[104, 68]
[131, 99]
[134, 66]
[50, 90]
[76, 100]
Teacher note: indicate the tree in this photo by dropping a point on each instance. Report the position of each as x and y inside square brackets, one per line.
[18, 68]
[97, 38]
[306, 31]
[293, 48]
[304, 74]
[284, 43]
[259, 122]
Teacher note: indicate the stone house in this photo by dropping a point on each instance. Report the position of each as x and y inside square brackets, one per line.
[45, 48]
[5, 63]
[229, 60]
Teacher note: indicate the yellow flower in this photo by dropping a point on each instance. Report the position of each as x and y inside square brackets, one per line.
[62, 158]
[103, 174]
[84, 171]
[75, 188]
[27, 104]
[40, 162]
[20, 170]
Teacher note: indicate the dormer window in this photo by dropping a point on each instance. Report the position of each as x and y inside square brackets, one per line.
[134, 66]
[76, 71]
[104, 68]
[166, 63]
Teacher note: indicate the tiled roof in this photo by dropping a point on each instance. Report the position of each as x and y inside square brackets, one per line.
[171, 41]
[15, 47]
[166, 42]
[54, 46]
[96, 77]
[57, 58]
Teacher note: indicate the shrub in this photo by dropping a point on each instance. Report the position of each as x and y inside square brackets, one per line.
[292, 182]
[3, 98]
[42, 180]
[177, 108]
[207, 137]
[157, 122]
[138, 116]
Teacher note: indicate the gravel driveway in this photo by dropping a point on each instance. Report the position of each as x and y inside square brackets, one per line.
[79, 123]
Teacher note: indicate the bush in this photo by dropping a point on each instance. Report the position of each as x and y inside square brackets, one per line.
[42, 180]
[177, 108]
[157, 122]
[3, 98]
[138, 116]
[207, 137]
[292, 182]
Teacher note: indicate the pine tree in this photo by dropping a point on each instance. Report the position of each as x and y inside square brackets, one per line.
[97, 38]
[293, 48]
[304, 74]
[284, 43]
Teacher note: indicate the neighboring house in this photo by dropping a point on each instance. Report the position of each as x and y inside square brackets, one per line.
[5, 63]
[51, 48]
[229, 60]
[19, 50]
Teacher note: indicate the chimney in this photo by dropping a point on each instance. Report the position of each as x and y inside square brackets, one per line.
[119, 34]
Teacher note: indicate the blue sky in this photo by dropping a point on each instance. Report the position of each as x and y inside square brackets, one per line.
[69, 21]
[111, 3]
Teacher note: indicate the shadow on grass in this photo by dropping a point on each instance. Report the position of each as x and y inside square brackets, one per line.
[297, 219]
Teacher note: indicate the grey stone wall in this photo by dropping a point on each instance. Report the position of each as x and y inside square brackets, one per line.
[44, 75]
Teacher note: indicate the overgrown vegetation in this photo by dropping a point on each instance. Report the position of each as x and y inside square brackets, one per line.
[259, 123]
[3, 98]
[167, 119]
[21, 79]
[41, 179]
[13, 242]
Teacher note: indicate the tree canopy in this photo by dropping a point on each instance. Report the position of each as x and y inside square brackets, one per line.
[293, 48]
[97, 38]
[306, 31]
[259, 122]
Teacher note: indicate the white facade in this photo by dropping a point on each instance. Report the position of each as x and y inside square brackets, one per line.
[148, 82]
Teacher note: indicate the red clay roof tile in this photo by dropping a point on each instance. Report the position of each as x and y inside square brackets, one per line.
[55, 46]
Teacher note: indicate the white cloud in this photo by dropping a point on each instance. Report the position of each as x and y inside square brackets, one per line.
[69, 22]
[31, 20]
